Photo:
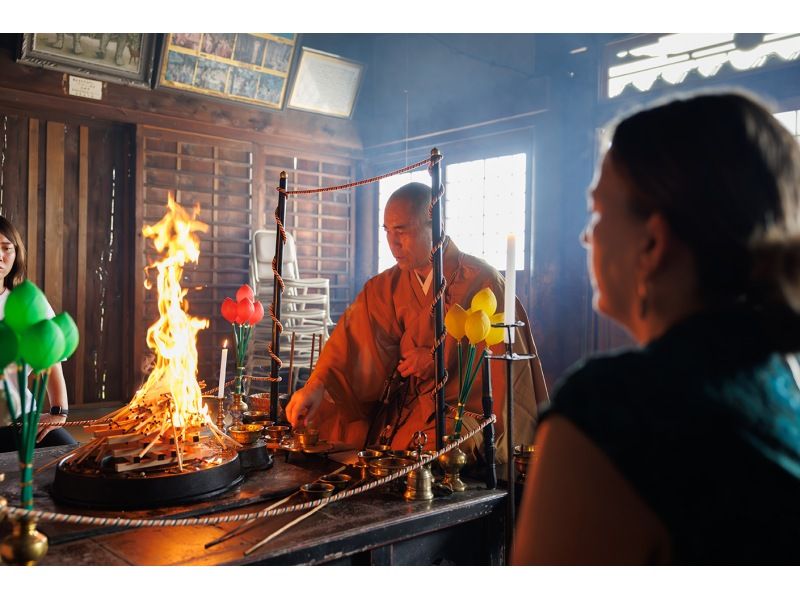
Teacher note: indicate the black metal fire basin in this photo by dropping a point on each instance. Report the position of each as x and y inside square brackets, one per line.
[108, 490]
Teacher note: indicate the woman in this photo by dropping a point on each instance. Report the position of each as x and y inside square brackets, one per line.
[12, 273]
[686, 450]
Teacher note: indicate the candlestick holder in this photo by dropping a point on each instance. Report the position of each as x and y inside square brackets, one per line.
[510, 357]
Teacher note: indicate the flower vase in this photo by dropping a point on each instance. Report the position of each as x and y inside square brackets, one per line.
[25, 545]
[240, 380]
[451, 463]
[238, 407]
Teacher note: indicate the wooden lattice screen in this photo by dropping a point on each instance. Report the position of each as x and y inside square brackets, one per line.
[215, 174]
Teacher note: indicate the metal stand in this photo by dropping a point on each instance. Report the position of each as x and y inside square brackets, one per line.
[277, 290]
[510, 357]
[437, 236]
[488, 434]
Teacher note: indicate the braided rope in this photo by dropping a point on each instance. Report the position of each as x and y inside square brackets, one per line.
[358, 183]
[215, 520]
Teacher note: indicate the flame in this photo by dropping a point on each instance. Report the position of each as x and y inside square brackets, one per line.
[173, 337]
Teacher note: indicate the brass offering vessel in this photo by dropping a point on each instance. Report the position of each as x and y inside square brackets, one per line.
[523, 455]
[276, 433]
[316, 490]
[367, 455]
[307, 437]
[25, 545]
[451, 463]
[384, 466]
[381, 448]
[246, 433]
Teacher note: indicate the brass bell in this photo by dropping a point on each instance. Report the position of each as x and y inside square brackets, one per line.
[419, 482]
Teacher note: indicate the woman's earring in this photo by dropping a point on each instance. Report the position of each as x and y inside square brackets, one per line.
[641, 293]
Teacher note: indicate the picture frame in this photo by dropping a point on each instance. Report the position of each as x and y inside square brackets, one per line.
[125, 58]
[244, 67]
[326, 84]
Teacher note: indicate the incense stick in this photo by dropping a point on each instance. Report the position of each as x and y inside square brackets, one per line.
[311, 361]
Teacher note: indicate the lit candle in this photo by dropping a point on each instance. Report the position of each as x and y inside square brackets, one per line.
[222, 365]
[511, 283]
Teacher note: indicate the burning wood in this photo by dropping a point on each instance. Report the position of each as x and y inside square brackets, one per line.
[165, 421]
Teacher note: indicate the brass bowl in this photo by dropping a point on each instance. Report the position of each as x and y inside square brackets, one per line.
[338, 480]
[307, 437]
[259, 401]
[257, 417]
[521, 465]
[367, 455]
[246, 433]
[381, 448]
[384, 466]
[402, 454]
[317, 490]
[276, 433]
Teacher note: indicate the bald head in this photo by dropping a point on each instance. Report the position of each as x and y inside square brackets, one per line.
[417, 196]
[407, 226]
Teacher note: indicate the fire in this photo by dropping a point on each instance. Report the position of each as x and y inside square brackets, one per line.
[173, 337]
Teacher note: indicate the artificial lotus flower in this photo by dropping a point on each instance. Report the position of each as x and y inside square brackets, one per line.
[495, 335]
[454, 321]
[243, 313]
[477, 327]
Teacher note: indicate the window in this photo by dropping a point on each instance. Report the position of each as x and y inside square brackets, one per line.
[484, 202]
[790, 120]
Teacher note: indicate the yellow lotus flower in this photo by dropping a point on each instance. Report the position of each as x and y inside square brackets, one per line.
[454, 321]
[485, 301]
[496, 335]
[477, 327]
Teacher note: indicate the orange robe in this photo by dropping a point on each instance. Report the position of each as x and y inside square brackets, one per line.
[390, 315]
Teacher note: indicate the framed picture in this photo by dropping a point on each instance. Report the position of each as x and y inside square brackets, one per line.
[117, 57]
[326, 84]
[246, 67]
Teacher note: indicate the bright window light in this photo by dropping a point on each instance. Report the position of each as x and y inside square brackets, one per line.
[484, 202]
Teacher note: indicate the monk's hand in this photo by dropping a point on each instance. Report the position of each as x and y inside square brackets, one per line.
[416, 362]
[304, 403]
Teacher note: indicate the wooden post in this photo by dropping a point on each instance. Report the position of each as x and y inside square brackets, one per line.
[276, 298]
[437, 236]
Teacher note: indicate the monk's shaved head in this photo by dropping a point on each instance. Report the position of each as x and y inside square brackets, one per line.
[417, 196]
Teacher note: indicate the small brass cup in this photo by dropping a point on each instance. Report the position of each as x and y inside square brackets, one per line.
[317, 490]
[339, 480]
[276, 433]
[367, 455]
[307, 438]
[381, 448]
[246, 433]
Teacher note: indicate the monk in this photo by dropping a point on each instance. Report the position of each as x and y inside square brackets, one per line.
[374, 377]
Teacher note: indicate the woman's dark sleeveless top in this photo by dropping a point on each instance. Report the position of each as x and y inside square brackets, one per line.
[705, 425]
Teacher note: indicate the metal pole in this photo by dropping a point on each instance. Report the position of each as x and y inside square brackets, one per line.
[437, 236]
[276, 297]
[488, 433]
[510, 513]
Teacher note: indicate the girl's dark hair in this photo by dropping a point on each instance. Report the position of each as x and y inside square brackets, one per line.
[726, 176]
[18, 271]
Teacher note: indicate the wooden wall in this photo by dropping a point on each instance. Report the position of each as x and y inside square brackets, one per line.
[80, 178]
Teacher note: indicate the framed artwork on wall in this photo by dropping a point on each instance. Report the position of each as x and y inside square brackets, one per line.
[125, 58]
[245, 67]
[325, 84]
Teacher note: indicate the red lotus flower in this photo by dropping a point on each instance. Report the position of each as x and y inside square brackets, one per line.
[258, 313]
[244, 310]
[244, 292]
[229, 309]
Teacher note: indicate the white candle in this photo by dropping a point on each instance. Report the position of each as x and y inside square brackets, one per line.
[222, 365]
[511, 283]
